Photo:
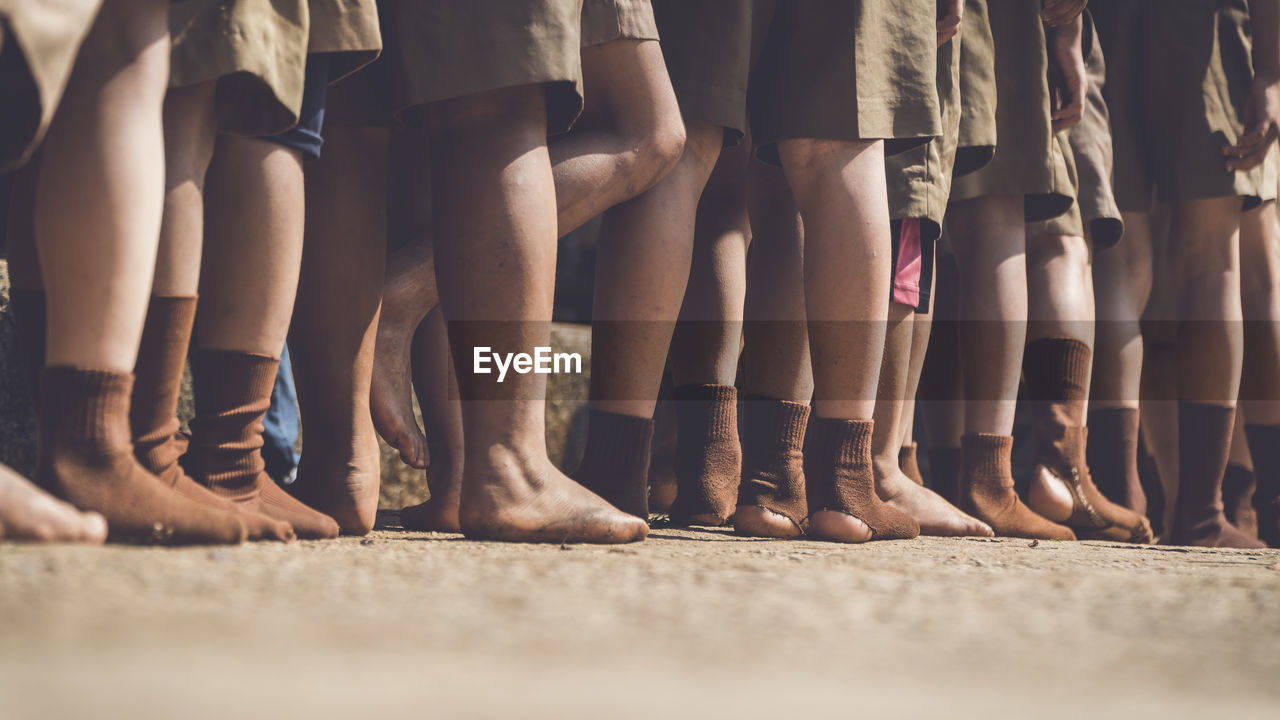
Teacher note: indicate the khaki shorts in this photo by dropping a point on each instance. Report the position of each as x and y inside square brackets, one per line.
[39, 40]
[445, 49]
[1091, 146]
[815, 69]
[257, 51]
[976, 144]
[1178, 77]
[604, 21]
[1030, 159]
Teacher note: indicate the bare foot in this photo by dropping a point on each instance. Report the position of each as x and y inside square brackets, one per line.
[756, 521]
[342, 483]
[440, 513]
[935, 515]
[507, 497]
[29, 514]
[391, 394]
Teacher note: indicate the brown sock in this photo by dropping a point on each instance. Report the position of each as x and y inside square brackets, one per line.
[28, 309]
[1057, 372]
[1204, 444]
[708, 454]
[987, 491]
[1238, 483]
[908, 465]
[86, 458]
[153, 412]
[838, 476]
[944, 473]
[1264, 446]
[234, 392]
[615, 465]
[1112, 455]
[773, 457]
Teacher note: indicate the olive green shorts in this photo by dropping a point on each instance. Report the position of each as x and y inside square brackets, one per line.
[976, 143]
[39, 40]
[1178, 78]
[831, 69]
[257, 51]
[1095, 210]
[445, 49]
[604, 21]
[1030, 159]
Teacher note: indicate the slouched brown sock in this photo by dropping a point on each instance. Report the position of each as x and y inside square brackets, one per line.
[944, 473]
[158, 442]
[1264, 446]
[1057, 372]
[234, 393]
[615, 465]
[1204, 444]
[773, 457]
[28, 309]
[1238, 484]
[708, 454]
[1112, 454]
[987, 491]
[908, 465]
[86, 458]
[838, 476]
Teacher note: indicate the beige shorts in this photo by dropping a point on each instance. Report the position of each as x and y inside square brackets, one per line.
[976, 144]
[39, 40]
[257, 51]
[1030, 159]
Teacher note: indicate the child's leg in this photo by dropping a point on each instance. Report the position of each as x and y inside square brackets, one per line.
[98, 208]
[437, 386]
[494, 196]
[1260, 382]
[334, 324]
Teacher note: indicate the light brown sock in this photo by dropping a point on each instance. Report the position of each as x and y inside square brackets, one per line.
[838, 477]
[158, 442]
[86, 458]
[944, 473]
[233, 395]
[773, 457]
[1112, 454]
[908, 464]
[1266, 472]
[1057, 372]
[986, 491]
[708, 454]
[1238, 484]
[615, 464]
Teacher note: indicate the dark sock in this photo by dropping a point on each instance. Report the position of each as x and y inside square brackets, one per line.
[908, 465]
[158, 442]
[28, 309]
[708, 454]
[1204, 444]
[1264, 446]
[615, 465]
[944, 473]
[987, 491]
[1113, 456]
[226, 439]
[85, 457]
[773, 456]
[838, 476]
[1237, 499]
[1057, 372]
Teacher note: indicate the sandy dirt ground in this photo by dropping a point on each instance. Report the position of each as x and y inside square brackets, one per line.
[687, 624]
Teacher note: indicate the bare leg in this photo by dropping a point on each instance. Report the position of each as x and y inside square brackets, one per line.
[495, 250]
[840, 190]
[1260, 385]
[333, 333]
[437, 386]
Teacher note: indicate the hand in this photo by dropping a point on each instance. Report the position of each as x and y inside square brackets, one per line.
[1056, 13]
[1068, 83]
[1262, 125]
[950, 14]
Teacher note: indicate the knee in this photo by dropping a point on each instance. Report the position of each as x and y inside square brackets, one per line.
[1072, 251]
[655, 150]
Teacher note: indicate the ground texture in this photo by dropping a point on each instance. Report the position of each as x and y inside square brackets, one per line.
[688, 623]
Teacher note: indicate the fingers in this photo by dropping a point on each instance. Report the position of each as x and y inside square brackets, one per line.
[1251, 149]
[948, 27]
[1068, 116]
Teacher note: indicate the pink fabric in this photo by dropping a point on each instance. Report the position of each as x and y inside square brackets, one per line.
[906, 274]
